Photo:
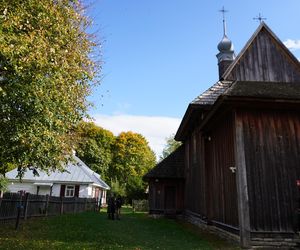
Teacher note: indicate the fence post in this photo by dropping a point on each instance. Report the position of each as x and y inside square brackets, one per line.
[133, 206]
[75, 205]
[46, 205]
[26, 202]
[85, 204]
[19, 208]
[96, 205]
[61, 205]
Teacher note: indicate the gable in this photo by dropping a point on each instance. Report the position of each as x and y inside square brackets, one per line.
[264, 58]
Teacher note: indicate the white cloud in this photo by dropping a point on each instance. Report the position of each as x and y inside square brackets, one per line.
[292, 44]
[154, 128]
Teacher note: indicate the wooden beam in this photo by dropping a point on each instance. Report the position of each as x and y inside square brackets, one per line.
[242, 187]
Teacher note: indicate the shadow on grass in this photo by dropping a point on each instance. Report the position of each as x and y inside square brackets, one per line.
[94, 231]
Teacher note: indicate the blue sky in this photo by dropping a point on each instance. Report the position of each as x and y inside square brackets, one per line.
[159, 55]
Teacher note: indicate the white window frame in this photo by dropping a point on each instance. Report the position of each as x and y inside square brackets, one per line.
[70, 191]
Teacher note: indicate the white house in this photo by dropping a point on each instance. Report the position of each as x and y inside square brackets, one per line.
[77, 180]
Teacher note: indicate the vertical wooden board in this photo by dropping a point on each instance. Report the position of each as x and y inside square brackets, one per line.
[242, 186]
[294, 127]
[253, 142]
[208, 171]
[255, 65]
[186, 174]
[282, 187]
[272, 160]
[248, 128]
[203, 179]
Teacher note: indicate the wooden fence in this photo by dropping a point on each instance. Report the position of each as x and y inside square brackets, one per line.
[14, 205]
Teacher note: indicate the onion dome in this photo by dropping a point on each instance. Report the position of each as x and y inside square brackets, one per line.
[225, 45]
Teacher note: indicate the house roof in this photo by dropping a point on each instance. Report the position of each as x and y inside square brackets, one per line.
[209, 96]
[170, 167]
[254, 93]
[271, 90]
[200, 104]
[75, 172]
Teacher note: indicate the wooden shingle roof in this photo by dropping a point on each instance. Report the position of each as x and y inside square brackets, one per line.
[170, 167]
[209, 96]
[266, 90]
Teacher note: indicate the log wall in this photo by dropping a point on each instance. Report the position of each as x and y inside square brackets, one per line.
[272, 151]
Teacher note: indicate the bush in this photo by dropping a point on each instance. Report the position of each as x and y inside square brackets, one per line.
[140, 205]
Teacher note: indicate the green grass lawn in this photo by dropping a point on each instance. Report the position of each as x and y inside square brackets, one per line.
[92, 230]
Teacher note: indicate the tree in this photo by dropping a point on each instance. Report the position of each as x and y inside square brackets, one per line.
[171, 146]
[95, 147]
[117, 189]
[3, 184]
[45, 77]
[132, 159]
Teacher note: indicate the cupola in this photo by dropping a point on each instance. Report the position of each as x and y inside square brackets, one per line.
[226, 51]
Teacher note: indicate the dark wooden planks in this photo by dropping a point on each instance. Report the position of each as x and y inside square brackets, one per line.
[162, 199]
[272, 143]
[221, 181]
[242, 183]
[265, 60]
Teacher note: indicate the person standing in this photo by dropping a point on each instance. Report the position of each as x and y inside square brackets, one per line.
[111, 208]
[119, 203]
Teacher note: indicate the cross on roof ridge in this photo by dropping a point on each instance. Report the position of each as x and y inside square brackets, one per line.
[259, 18]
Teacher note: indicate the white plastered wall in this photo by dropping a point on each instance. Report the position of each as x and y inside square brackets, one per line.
[85, 190]
[17, 186]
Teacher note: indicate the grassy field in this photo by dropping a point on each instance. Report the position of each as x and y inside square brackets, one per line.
[94, 231]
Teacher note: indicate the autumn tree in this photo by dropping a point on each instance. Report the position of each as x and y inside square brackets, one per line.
[95, 147]
[3, 185]
[171, 145]
[132, 159]
[45, 77]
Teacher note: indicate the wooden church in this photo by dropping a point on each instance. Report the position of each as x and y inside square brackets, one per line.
[240, 156]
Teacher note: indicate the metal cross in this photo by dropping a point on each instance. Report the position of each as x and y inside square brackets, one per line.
[224, 23]
[260, 18]
[223, 12]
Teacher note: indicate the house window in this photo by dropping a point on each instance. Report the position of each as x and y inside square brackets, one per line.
[70, 191]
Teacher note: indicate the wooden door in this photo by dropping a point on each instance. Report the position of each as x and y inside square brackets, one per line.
[170, 197]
